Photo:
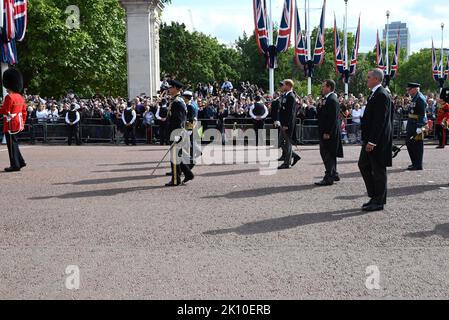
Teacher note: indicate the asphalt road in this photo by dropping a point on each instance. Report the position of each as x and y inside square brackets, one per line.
[233, 233]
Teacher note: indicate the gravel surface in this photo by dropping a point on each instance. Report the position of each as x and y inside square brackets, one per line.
[233, 233]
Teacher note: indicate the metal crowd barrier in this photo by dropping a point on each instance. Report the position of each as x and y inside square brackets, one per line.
[96, 130]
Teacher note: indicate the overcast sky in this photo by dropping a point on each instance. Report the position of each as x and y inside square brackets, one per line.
[226, 20]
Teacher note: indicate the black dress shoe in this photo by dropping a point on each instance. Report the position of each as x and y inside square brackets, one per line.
[337, 178]
[168, 174]
[367, 204]
[172, 184]
[23, 165]
[295, 161]
[324, 183]
[188, 179]
[284, 167]
[414, 169]
[373, 208]
[12, 169]
[410, 167]
[281, 159]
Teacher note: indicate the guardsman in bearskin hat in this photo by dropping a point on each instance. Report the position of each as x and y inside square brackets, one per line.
[417, 121]
[442, 122]
[14, 113]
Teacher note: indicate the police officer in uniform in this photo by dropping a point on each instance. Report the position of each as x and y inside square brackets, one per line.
[258, 112]
[129, 118]
[177, 118]
[72, 119]
[286, 123]
[417, 120]
[161, 116]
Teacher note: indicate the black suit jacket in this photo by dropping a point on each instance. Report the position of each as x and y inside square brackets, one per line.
[177, 116]
[287, 112]
[377, 126]
[329, 123]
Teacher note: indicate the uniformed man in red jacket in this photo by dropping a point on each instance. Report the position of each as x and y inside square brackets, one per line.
[14, 113]
[443, 118]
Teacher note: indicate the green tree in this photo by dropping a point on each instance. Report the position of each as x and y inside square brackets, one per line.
[55, 58]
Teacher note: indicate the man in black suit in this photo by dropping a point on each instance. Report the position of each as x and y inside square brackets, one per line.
[331, 146]
[377, 140]
[286, 123]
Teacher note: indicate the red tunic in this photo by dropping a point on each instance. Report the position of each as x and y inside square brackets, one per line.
[15, 106]
[443, 113]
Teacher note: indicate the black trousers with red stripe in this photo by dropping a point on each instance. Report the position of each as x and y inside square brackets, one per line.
[442, 135]
[15, 157]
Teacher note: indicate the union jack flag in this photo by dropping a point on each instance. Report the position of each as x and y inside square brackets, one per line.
[301, 54]
[318, 57]
[395, 64]
[380, 56]
[285, 29]
[355, 53]
[20, 18]
[436, 69]
[446, 72]
[261, 24]
[339, 63]
[9, 52]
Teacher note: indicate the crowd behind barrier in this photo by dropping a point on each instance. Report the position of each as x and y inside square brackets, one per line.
[219, 106]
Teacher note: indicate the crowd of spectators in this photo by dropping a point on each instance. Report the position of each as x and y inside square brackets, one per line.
[214, 101]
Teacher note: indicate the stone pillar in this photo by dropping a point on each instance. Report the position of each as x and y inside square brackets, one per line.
[155, 27]
[140, 42]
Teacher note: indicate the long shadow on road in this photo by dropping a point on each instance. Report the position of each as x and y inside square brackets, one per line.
[441, 230]
[255, 193]
[401, 192]
[98, 193]
[287, 223]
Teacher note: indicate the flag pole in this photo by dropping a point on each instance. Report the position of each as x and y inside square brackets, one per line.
[346, 50]
[309, 47]
[442, 49]
[387, 44]
[271, 42]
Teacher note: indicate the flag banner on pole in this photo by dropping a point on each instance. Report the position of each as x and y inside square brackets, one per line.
[339, 63]
[261, 25]
[436, 71]
[20, 18]
[355, 53]
[2, 10]
[397, 52]
[9, 23]
[285, 29]
[318, 57]
[380, 57]
[9, 52]
[446, 71]
[301, 54]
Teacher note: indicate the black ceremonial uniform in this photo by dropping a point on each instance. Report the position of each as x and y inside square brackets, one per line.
[129, 118]
[329, 123]
[164, 133]
[177, 118]
[259, 113]
[416, 120]
[287, 119]
[73, 126]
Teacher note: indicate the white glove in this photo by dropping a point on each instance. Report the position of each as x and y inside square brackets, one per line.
[178, 139]
[277, 124]
[419, 131]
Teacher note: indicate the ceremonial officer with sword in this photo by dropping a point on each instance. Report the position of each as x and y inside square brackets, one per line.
[177, 118]
[416, 127]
